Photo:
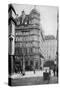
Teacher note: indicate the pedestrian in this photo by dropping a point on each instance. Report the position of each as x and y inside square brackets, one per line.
[21, 69]
[49, 75]
[34, 70]
[57, 72]
[54, 71]
[49, 72]
[45, 75]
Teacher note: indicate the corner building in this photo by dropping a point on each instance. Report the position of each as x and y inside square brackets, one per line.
[28, 37]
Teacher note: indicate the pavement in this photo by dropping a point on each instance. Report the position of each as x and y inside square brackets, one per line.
[31, 79]
[28, 74]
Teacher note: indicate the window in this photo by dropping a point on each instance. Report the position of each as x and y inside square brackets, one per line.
[31, 62]
[30, 50]
[26, 63]
[18, 23]
[27, 50]
[36, 65]
[16, 51]
[21, 44]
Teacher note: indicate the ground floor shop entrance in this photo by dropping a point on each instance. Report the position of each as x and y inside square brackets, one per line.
[28, 64]
[20, 64]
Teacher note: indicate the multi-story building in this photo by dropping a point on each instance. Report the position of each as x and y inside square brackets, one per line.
[49, 47]
[28, 38]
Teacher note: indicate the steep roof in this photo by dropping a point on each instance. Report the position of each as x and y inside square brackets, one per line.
[11, 7]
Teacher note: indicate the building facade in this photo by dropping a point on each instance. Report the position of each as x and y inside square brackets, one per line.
[28, 37]
[49, 47]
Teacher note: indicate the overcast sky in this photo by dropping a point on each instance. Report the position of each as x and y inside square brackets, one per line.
[48, 16]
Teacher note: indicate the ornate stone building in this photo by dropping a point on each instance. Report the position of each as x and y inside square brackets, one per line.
[28, 37]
